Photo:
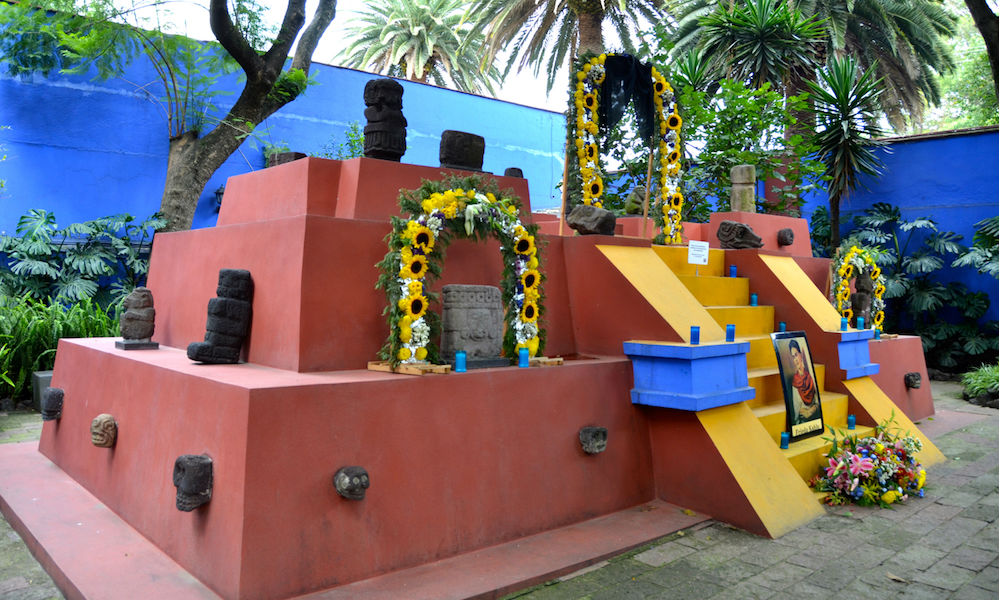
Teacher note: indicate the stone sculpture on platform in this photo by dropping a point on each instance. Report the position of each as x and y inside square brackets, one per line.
[103, 431]
[193, 480]
[743, 191]
[351, 482]
[861, 299]
[385, 132]
[594, 440]
[591, 220]
[513, 172]
[912, 380]
[737, 236]
[228, 321]
[52, 403]
[786, 237]
[461, 150]
[138, 321]
[472, 321]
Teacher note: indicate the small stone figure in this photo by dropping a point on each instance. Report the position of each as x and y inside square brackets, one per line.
[103, 431]
[743, 191]
[385, 132]
[786, 237]
[351, 482]
[472, 320]
[513, 172]
[137, 322]
[591, 220]
[912, 380]
[461, 150]
[228, 320]
[193, 480]
[861, 300]
[594, 440]
[737, 236]
[52, 403]
[635, 201]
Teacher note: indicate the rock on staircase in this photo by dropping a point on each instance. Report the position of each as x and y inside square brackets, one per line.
[727, 300]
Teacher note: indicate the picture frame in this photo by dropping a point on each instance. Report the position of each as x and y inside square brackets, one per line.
[803, 407]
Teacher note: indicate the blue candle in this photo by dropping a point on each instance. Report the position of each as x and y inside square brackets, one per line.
[732, 270]
[843, 323]
[784, 440]
[460, 361]
[851, 421]
[695, 335]
[861, 322]
[522, 358]
[753, 299]
[782, 326]
[878, 334]
[730, 333]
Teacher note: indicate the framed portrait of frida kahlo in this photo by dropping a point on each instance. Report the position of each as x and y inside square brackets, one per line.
[803, 410]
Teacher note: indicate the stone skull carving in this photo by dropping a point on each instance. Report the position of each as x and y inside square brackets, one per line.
[52, 403]
[351, 482]
[103, 431]
[193, 480]
[594, 440]
[912, 380]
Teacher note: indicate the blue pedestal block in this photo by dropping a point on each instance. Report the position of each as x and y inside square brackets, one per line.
[689, 377]
[853, 352]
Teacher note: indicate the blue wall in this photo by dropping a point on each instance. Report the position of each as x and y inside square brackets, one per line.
[83, 148]
[951, 178]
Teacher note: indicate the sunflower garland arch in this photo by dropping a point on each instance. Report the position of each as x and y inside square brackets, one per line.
[586, 174]
[849, 263]
[471, 208]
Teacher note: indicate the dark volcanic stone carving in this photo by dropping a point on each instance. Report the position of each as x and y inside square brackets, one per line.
[513, 172]
[461, 150]
[861, 300]
[912, 380]
[590, 220]
[472, 320]
[138, 321]
[786, 237]
[737, 236]
[385, 132]
[52, 403]
[193, 480]
[351, 482]
[103, 431]
[228, 320]
[594, 440]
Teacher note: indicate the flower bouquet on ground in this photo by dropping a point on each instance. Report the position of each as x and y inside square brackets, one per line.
[876, 470]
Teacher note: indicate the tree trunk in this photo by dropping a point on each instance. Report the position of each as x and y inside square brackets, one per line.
[590, 32]
[834, 223]
[988, 25]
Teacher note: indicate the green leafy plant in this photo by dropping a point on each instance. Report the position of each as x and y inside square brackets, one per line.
[103, 259]
[3, 157]
[982, 381]
[945, 315]
[985, 249]
[30, 332]
[353, 145]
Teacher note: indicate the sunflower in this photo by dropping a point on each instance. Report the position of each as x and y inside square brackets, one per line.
[529, 312]
[676, 200]
[847, 271]
[659, 86]
[847, 313]
[414, 306]
[530, 279]
[415, 268]
[595, 186]
[591, 150]
[674, 121]
[590, 101]
[879, 318]
[876, 273]
[525, 243]
[674, 156]
[423, 238]
[879, 290]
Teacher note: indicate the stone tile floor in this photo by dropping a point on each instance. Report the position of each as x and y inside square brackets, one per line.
[942, 546]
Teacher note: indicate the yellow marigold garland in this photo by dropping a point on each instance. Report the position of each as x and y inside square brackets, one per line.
[848, 266]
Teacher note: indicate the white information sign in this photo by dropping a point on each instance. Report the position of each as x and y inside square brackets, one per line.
[697, 253]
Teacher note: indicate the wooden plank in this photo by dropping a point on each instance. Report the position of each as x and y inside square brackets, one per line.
[408, 368]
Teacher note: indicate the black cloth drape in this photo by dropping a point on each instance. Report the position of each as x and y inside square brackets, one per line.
[627, 80]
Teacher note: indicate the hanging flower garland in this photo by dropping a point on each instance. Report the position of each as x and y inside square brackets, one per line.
[853, 262]
[473, 208]
[587, 172]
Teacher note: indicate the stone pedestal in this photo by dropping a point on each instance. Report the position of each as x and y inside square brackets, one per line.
[743, 196]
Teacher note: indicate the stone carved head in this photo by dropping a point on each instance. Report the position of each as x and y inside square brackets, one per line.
[351, 482]
[52, 403]
[594, 440]
[912, 380]
[193, 480]
[103, 431]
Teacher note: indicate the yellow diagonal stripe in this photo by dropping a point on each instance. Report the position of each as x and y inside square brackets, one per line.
[803, 290]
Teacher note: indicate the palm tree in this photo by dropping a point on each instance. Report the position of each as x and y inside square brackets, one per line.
[430, 41]
[548, 33]
[845, 100]
[904, 38]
